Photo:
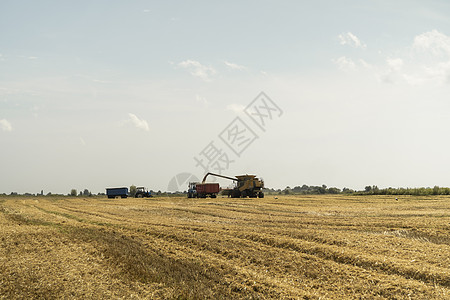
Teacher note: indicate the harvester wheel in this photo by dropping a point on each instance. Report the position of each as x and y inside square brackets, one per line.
[261, 195]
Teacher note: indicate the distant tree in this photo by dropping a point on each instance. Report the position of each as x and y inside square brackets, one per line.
[334, 190]
[86, 193]
[435, 190]
[347, 190]
[133, 190]
[323, 189]
[73, 192]
[287, 190]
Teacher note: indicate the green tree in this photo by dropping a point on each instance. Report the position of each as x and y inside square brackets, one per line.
[133, 191]
[73, 192]
[436, 190]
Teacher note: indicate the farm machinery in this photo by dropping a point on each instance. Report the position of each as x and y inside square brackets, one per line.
[141, 192]
[203, 190]
[245, 186]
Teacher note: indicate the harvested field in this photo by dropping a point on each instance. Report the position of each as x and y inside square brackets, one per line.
[296, 247]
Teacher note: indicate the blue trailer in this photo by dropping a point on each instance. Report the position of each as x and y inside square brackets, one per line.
[117, 192]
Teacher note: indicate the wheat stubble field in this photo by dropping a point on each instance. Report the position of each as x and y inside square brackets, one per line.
[296, 247]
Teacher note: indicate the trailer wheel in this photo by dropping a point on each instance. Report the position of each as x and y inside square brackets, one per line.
[261, 195]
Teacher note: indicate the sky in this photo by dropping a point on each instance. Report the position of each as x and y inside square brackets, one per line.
[97, 94]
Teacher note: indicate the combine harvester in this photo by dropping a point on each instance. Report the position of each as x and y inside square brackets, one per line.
[245, 186]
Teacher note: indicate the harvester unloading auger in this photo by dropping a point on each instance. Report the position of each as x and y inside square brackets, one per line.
[246, 186]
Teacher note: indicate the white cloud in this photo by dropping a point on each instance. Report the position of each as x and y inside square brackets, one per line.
[5, 125]
[345, 64]
[351, 40]
[392, 72]
[433, 41]
[237, 108]
[198, 70]
[141, 124]
[395, 63]
[234, 66]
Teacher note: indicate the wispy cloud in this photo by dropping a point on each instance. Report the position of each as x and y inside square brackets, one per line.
[5, 125]
[425, 62]
[234, 66]
[345, 64]
[351, 40]
[198, 70]
[141, 124]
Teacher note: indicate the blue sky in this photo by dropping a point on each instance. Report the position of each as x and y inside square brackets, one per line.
[112, 93]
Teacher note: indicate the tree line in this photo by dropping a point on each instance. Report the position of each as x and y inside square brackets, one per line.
[368, 190]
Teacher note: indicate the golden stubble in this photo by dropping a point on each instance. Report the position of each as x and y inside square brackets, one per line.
[308, 247]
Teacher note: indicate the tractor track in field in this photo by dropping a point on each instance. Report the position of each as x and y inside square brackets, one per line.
[315, 248]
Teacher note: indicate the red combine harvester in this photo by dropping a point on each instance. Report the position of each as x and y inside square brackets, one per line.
[203, 190]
